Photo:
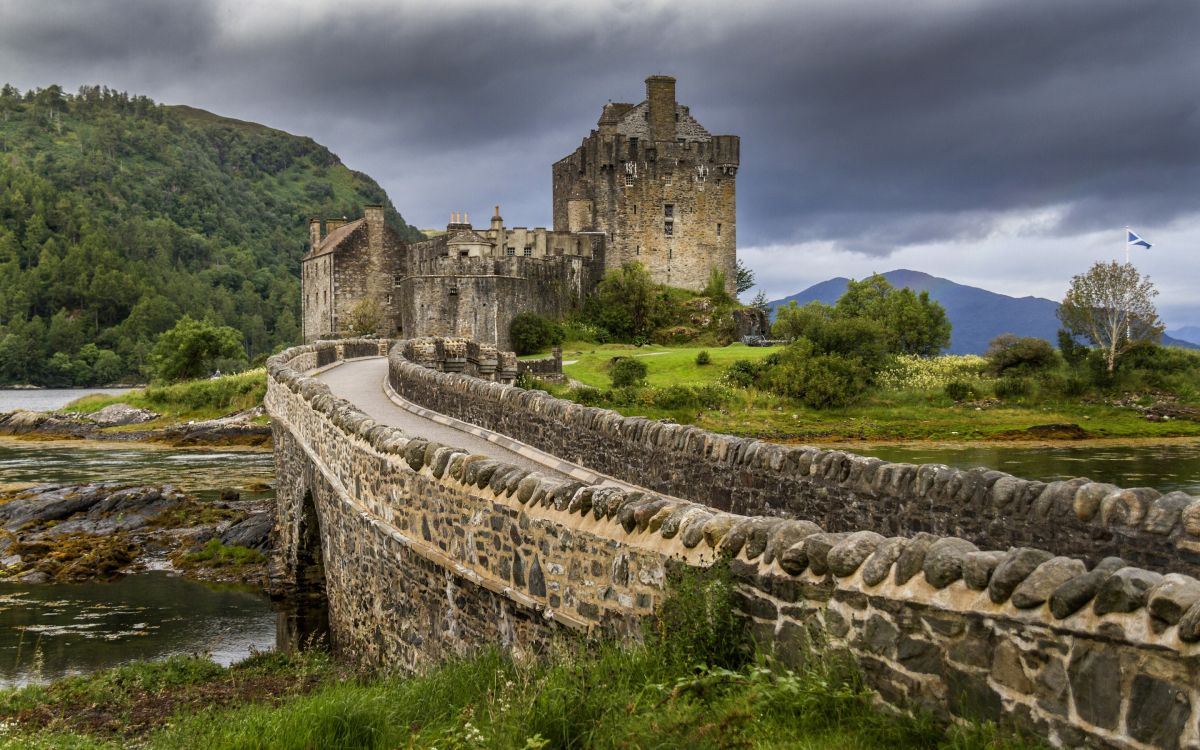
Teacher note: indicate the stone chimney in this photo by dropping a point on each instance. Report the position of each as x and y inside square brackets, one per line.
[374, 217]
[332, 225]
[498, 221]
[660, 93]
[314, 233]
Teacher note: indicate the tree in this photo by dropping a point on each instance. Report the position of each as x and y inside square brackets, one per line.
[760, 301]
[188, 350]
[1112, 306]
[531, 333]
[915, 324]
[368, 318]
[743, 278]
[628, 304]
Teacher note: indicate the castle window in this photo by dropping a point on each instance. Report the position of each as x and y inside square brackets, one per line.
[669, 210]
[718, 229]
[669, 228]
[464, 253]
[389, 299]
[628, 180]
[397, 279]
[669, 179]
[528, 250]
[453, 291]
[637, 250]
[510, 251]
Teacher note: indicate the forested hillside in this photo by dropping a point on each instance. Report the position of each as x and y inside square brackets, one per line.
[119, 215]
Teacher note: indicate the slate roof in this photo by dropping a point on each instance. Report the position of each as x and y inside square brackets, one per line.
[633, 124]
[330, 243]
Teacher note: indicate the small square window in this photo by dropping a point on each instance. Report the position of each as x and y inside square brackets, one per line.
[528, 251]
[510, 251]
[628, 180]
[669, 210]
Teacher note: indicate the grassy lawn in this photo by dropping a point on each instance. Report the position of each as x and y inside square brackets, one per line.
[180, 402]
[667, 365]
[894, 414]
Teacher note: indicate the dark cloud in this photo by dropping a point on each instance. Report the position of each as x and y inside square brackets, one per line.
[871, 125]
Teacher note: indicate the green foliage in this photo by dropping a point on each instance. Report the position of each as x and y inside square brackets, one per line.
[908, 372]
[698, 622]
[192, 399]
[628, 304]
[626, 371]
[743, 279]
[743, 373]
[218, 555]
[368, 318]
[118, 216]
[703, 358]
[190, 349]
[959, 390]
[715, 289]
[817, 378]
[913, 323]
[531, 333]
[1073, 352]
[1013, 387]
[1112, 305]
[1009, 354]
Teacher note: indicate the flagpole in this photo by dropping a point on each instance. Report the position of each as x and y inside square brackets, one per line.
[1126, 244]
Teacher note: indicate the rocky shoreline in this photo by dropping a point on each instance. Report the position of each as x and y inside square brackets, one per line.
[118, 423]
[103, 530]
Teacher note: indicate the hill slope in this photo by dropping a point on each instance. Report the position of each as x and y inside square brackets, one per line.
[977, 315]
[119, 215]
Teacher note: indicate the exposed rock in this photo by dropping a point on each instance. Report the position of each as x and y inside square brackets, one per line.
[1172, 597]
[944, 561]
[879, 564]
[119, 415]
[1072, 595]
[847, 555]
[977, 568]
[1125, 590]
[912, 557]
[253, 531]
[1044, 580]
[1016, 567]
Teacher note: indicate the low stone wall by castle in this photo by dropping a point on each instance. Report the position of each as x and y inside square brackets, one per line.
[427, 551]
[547, 368]
[839, 490]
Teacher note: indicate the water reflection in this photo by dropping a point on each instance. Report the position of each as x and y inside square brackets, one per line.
[199, 471]
[49, 631]
[1164, 466]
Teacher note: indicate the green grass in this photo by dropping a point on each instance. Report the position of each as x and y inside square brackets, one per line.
[916, 410]
[217, 555]
[192, 399]
[666, 365]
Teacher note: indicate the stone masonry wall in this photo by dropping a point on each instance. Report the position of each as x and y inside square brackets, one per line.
[839, 490]
[429, 551]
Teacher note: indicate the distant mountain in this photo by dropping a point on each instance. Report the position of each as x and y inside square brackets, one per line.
[977, 315]
[1190, 334]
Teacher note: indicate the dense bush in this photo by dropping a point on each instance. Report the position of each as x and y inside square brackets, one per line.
[817, 379]
[626, 371]
[703, 358]
[531, 333]
[1019, 354]
[908, 372]
[1073, 352]
[628, 304]
[959, 390]
[192, 348]
[744, 373]
[1013, 387]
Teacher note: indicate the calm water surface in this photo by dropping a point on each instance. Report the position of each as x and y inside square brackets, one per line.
[50, 631]
[202, 472]
[1164, 466]
[48, 399]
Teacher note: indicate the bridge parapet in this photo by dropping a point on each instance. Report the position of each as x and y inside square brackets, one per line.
[429, 551]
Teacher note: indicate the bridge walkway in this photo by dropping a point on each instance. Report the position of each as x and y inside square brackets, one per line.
[363, 382]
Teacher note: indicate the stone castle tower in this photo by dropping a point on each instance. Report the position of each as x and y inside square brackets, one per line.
[660, 186]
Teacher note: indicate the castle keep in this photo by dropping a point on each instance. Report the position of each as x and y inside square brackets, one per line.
[649, 185]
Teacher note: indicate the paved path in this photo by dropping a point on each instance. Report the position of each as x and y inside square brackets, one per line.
[363, 382]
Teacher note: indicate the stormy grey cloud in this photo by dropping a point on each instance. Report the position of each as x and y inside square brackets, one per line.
[870, 130]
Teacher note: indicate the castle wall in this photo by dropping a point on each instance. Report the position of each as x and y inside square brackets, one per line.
[477, 298]
[430, 552]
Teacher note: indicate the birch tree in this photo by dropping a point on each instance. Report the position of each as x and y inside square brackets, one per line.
[1112, 305]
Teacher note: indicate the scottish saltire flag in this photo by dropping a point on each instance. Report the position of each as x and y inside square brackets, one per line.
[1136, 241]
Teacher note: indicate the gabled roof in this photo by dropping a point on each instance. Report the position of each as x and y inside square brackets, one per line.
[468, 237]
[633, 124]
[330, 243]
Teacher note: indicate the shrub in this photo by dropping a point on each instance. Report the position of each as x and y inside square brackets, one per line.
[626, 371]
[531, 333]
[742, 373]
[578, 330]
[586, 395]
[908, 372]
[959, 390]
[189, 350]
[1019, 354]
[819, 380]
[703, 358]
[1072, 351]
[1013, 387]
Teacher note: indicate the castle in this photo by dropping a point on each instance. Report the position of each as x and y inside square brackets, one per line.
[649, 185]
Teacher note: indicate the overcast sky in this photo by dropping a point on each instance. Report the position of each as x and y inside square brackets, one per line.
[1000, 143]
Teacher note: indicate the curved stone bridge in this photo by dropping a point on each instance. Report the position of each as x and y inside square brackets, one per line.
[444, 509]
